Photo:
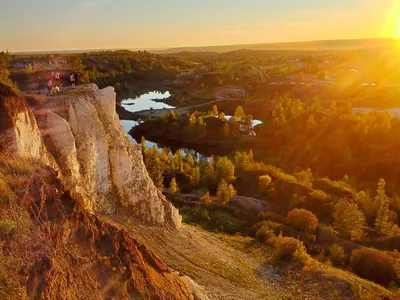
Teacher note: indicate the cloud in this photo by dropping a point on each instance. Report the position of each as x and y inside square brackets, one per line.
[88, 4]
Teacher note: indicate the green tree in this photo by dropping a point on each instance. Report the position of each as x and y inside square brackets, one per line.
[380, 197]
[75, 61]
[173, 187]
[366, 204]
[30, 69]
[383, 222]
[225, 192]
[143, 145]
[348, 219]
[208, 179]
[190, 160]
[154, 167]
[225, 170]
[195, 177]
[5, 59]
[177, 161]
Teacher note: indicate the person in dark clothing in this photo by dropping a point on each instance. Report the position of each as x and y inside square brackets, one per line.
[77, 76]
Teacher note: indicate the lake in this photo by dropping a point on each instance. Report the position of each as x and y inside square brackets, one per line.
[146, 102]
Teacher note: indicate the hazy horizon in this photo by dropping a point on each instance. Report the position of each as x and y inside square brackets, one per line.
[44, 25]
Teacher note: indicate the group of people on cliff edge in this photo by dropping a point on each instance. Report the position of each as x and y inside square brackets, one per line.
[74, 79]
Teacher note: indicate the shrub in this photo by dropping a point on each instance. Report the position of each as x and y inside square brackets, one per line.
[289, 249]
[201, 214]
[6, 194]
[6, 228]
[206, 198]
[336, 254]
[263, 182]
[272, 216]
[319, 195]
[265, 234]
[225, 222]
[374, 265]
[302, 219]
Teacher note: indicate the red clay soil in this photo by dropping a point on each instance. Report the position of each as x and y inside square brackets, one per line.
[84, 257]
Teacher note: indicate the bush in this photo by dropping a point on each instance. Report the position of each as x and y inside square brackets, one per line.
[374, 265]
[206, 198]
[336, 254]
[289, 249]
[319, 195]
[302, 219]
[6, 228]
[265, 234]
[225, 222]
[201, 215]
[263, 182]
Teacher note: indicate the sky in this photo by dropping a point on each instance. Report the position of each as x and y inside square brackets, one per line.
[41, 25]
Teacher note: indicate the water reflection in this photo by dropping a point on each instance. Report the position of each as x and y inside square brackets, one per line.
[146, 101]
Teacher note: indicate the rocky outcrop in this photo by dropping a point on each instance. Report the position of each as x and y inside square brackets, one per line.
[19, 133]
[99, 165]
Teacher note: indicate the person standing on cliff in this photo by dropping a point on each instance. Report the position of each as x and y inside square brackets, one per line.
[77, 75]
[50, 87]
[72, 79]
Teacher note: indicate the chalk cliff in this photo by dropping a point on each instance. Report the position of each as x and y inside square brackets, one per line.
[101, 167]
[80, 134]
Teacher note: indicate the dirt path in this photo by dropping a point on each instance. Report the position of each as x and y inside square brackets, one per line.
[224, 272]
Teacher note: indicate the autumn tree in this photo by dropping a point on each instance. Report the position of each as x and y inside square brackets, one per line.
[195, 177]
[366, 203]
[75, 61]
[243, 160]
[214, 111]
[225, 170]
[154, 167]
[348, 219]
[143, 145]
[225, 192]
[239, 112]
[190, 160]
[177, 161]
[383, 222]
[208, 179]
[173, 187]
[303, 219]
